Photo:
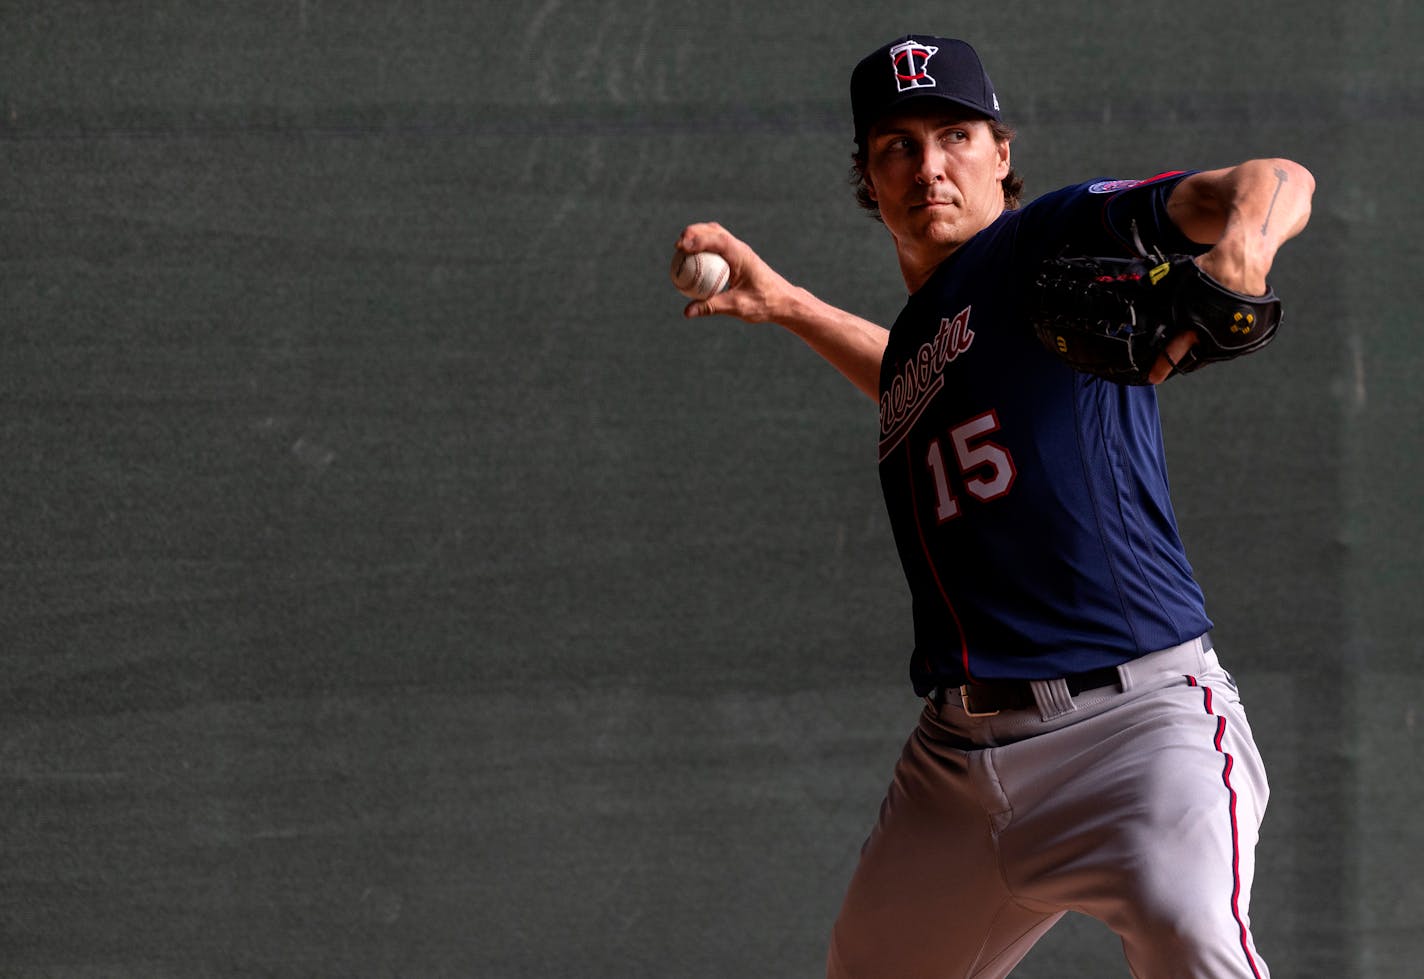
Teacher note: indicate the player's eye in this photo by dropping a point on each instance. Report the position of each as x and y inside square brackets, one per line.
[896, 146]
[955, 135]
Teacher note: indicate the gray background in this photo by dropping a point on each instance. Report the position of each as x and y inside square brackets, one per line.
[395, 585]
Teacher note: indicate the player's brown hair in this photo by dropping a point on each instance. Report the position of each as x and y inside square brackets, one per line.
[1013, 184]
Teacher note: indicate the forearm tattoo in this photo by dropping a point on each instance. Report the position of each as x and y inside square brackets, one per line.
[1280, 179]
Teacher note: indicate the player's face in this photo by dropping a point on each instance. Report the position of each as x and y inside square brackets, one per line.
[935, 175]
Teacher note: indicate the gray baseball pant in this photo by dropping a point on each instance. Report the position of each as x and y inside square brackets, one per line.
[1138, 806]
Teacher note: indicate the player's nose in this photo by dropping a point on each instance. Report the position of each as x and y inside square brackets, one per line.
[931, 165]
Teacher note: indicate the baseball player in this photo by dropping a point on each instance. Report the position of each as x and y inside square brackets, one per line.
[1081, 747]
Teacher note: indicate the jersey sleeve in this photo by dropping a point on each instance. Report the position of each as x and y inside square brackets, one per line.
[1097, 218]
[1145, 203]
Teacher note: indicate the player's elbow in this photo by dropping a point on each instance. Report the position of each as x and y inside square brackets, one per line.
[1296, 174]
[1302, 182]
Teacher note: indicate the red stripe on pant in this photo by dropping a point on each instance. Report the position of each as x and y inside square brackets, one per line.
[1235, 835]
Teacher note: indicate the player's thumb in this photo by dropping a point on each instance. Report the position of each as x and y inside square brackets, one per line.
[699, 307]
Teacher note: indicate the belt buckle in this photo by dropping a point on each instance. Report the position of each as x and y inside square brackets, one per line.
[964, 702]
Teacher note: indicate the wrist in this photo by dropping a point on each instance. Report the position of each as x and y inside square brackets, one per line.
[792, 306]
[1238, 263]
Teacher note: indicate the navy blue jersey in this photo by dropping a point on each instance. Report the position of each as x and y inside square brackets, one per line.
[1029, 502]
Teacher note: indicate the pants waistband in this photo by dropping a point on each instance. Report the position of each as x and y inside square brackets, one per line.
[1054, 697]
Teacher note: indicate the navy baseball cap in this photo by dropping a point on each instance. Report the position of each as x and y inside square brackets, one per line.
[919, 66]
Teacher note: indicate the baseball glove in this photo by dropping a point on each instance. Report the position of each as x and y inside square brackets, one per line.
[1113, 317]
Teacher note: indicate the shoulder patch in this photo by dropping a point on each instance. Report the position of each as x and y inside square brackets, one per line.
[1112, 186]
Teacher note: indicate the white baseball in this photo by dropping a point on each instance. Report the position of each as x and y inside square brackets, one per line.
[700, 275]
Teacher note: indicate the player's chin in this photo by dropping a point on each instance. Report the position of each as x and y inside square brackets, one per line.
[939, 225]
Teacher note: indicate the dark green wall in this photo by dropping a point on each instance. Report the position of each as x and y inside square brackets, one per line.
[395, 584]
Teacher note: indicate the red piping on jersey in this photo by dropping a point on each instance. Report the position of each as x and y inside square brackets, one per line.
[1235, 833]
[934, 572]
[1162, 176]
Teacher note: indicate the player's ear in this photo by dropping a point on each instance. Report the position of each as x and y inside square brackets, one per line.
[1004, 165]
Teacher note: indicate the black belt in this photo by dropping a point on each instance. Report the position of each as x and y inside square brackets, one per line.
[993, 696]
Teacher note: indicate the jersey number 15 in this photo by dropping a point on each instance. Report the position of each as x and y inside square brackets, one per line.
[987, 469]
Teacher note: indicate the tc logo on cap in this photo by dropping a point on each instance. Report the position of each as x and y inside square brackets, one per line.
[910, 60]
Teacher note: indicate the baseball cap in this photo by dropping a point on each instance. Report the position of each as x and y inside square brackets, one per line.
[919, 66]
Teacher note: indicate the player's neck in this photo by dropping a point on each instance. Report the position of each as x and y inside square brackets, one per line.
[920, 257]
[917, 265]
